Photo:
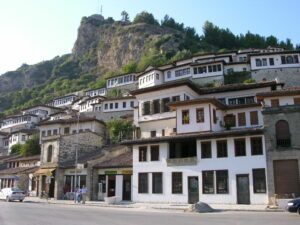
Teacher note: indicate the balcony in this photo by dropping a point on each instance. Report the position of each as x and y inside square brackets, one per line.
[188, 161]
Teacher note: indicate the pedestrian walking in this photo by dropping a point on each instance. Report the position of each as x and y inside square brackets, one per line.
[83, 194]
[78, 195]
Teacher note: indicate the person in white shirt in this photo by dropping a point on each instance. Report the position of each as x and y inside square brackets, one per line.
[83, 194]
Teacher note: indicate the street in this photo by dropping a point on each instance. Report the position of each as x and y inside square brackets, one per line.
[15, 213]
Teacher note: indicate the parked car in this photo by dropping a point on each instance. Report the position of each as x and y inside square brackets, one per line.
[11, 194]
[294, 205]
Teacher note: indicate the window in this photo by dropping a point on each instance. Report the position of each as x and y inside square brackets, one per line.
[222, 100]
[143, 183]
[242, 119]
[111, 105]
[49, 153]
[106, 106]
[48, 132]
[274, 102]
[157, 76]
[219, 67]
[55, 132]
[297, 101]
[240, 147]
[23, 138]
[256, 146]
[258, 62]
[146, 108]
[183, 149]
[165, 107]
[102, 181]
[163, 132]
[169, 74]
[153, 133]
[222, 181]
[156, 106]
[176, 98]
[154, 151]
[185, 117]
[271, 61]
[43, 133]
[176, 183]
[254, 118]
[259, 181]
[116, 105]
[143, 154]
[124, 104]
[215, 116]
[208, 182]
[229, 120]
[132, 104]
[205, 149]
[264, 62]
[283, 136]
[157, 183]
[209, 69]
[222, 149]
[200, 115]
[283, 60]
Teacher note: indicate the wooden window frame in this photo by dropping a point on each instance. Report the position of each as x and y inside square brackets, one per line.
[200, 119]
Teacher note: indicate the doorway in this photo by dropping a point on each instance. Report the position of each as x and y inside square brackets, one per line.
[193, 190]
[243, 192]
[111, 186]
[127, 187]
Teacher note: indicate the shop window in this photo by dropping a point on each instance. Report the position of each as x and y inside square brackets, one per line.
[143, 183]
[259, 181]
[176, 183]
[208, 182]
[157, 183]
[222, 181]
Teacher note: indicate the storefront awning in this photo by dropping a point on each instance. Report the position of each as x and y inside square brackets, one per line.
[47, 172]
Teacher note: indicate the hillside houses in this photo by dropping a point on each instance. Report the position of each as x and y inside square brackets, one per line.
[226, 144]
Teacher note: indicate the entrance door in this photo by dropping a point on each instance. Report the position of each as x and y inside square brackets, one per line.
[127, 187]
[243, 193]
[286, 178]
[111, 185]
[193, 190]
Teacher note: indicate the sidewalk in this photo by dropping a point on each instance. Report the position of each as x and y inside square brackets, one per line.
[157, 206]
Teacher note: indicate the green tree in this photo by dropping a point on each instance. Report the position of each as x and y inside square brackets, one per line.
[120, 129]
[31, 147]
[125, 16]
[131, 67]
[15, 149]
[145, 17]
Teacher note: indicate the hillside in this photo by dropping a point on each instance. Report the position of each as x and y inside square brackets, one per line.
[104, 46]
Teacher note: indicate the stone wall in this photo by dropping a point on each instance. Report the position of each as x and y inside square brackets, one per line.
[107, 116]
[86, 142]
[289, 76]
[291, 114]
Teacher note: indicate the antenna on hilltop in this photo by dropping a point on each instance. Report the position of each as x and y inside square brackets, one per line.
[99, 8]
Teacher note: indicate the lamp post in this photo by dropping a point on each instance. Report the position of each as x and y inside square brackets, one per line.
[76, 157]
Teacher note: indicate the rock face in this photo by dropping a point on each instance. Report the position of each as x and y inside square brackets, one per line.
[101, 46]
[200, 207]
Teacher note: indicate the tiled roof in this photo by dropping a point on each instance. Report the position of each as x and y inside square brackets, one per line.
[28, 158]
[197, 101]
[41, 105]
[71, 120]
[198, 135]
[19, 170]
[122, 160]
[26, 131]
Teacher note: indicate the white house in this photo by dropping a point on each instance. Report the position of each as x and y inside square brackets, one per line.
[121, 80]
[96, 92]
[116, 104]
[16, 122]
[20, 137]
[194, 147]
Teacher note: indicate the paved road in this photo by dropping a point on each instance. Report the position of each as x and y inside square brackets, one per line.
[15, 213]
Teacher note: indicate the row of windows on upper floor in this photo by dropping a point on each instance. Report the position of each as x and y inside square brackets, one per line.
[116, 105]
[276, 101]
[64, 101]
[186, 149]
[38, 111]
[213, 182]
[16, 120]
[96, 92]
[14, 138]
[45, 133]
[160, 105]
[120, 80]
[289, 59]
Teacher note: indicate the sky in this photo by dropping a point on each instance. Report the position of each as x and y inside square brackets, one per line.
[35, 30]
